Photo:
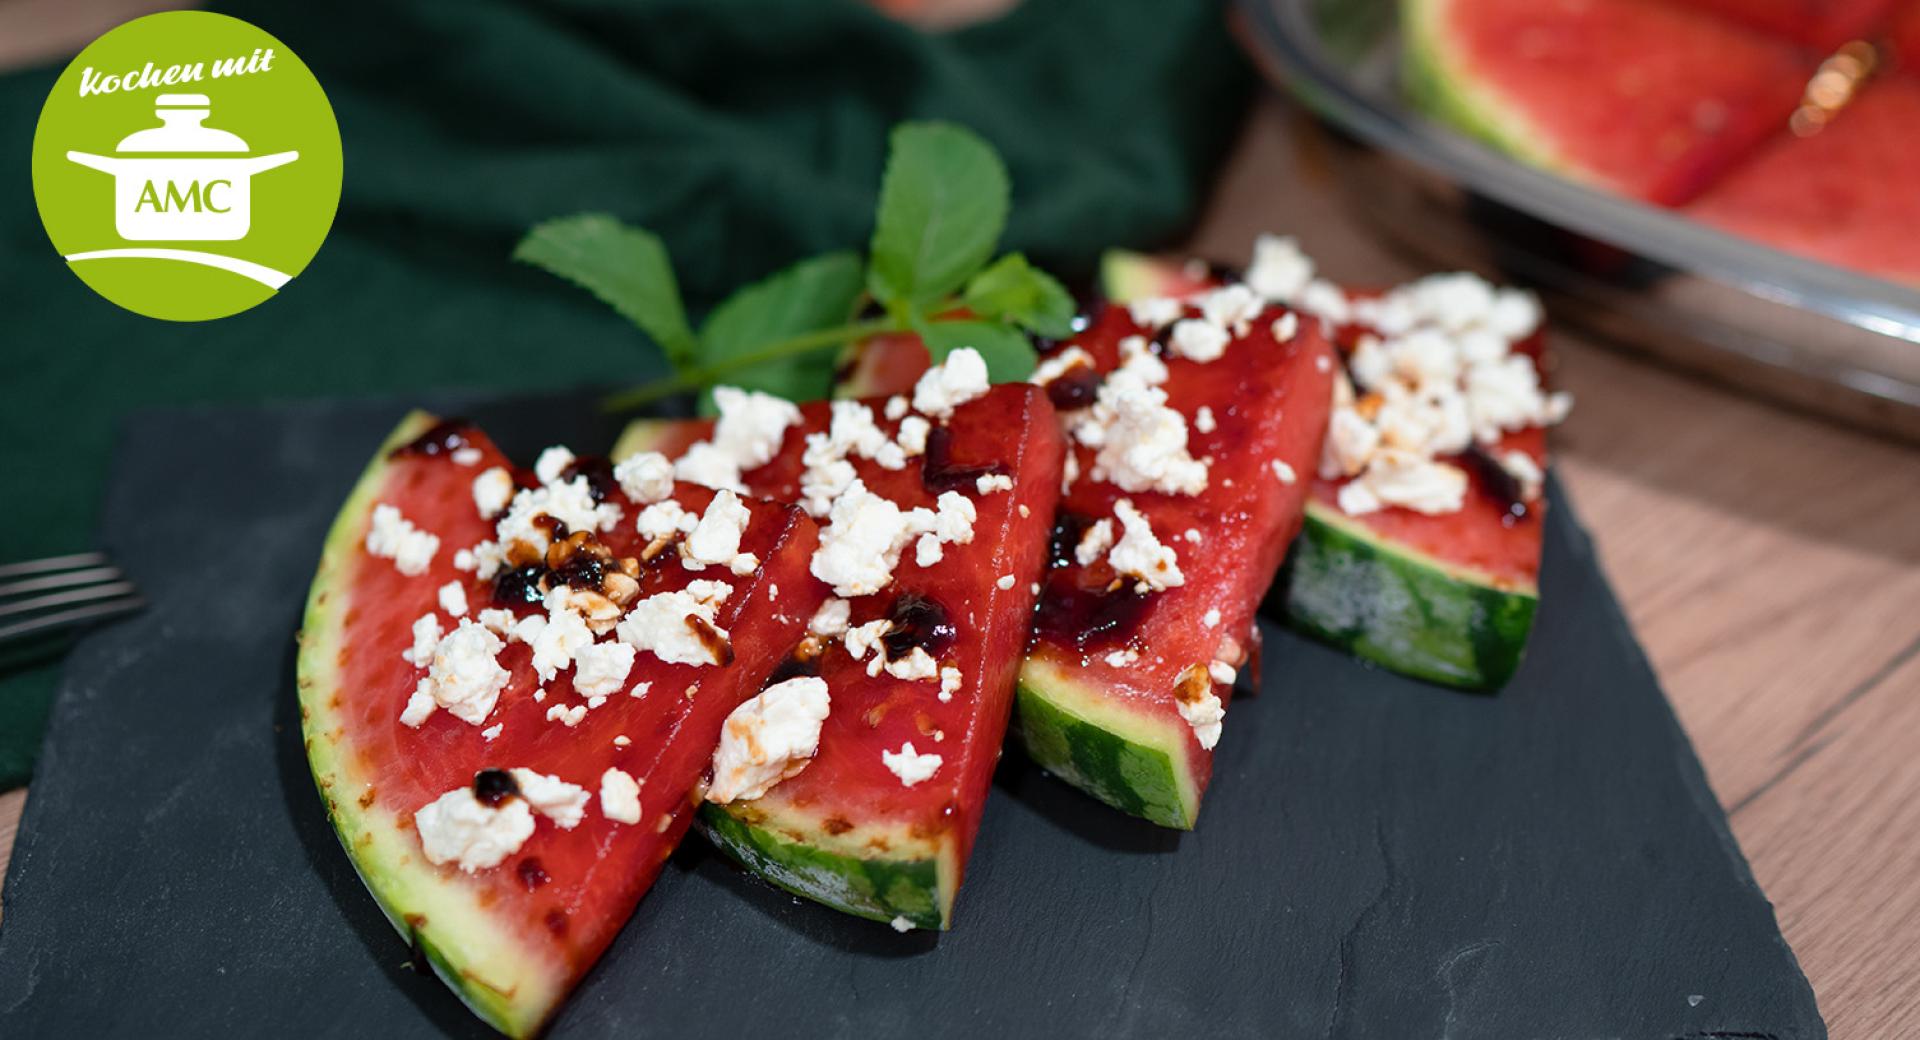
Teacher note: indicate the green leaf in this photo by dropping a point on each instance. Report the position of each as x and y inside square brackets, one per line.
[627, 267]
[943, 203]
[812, 295]
[1016, 291]
[1008, 353]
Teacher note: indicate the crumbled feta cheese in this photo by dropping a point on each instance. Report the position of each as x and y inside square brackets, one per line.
[1005, 582]
[909, 765]
[1280, 270]
[928, 551]
[1284, 329]
[747, 563]
[570, 716]
[465, 676]
[1138, 360]
[1211, 618]
[570, 502]
[1401, 478]
[864, 639]
[496, 620]
[640, 689]
[453, 599]
[646, 477]
[1203, 420]
[949, 682]
[492, 731]
[1094, 542]
[1156, 312]
[1141, 443]
[831, 619]
[492, 490]
[466, 456]
[619, 796]
[896, 407]
[1283, 471]
[552, 464]
[916, 665]
[747, 436]
[716, 537]
[1521, 467]
[861, 543]
[950, 384]
[988, 483]
[1222, 672]
[563, 803]
[458, 828]
[768, 739]
[621, 741]
[601, 669]
[555, 642]
[392, 536]
[1141, 555]
[901, 924]
[1122, 658]
[1326, 300]
[419, 707]
[665, 519]
[1192, 535]
[1231, 308]
[665, 624]
[1205, 714]
[426, 636]
[1067, 360]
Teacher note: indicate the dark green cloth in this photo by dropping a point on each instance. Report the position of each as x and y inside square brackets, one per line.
[747, 132]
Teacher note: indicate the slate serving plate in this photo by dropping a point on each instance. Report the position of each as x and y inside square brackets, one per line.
[1377, 858]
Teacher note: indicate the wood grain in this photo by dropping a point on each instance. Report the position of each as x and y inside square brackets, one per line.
[1770, 564]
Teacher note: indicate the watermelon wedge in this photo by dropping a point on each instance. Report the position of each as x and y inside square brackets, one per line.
[1442, 589]
[920, 644]
[1903, 35]
[1819, 24]
[1125, 683]
[505, 767]
[1637, 97]
[1844, 194]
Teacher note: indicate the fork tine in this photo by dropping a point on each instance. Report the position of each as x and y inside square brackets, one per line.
[61, 599]
[72, 617]
[52, 563]
[66, 579]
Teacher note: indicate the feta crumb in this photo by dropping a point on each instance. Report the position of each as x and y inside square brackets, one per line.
[1401, 478]
[1211, 618]
[1280, 270]
[492, 731]
[747, 563]
[916, 665]
[563, 803]
[1205, 714]
[864, 639]
[1005, 582]
[1122, 658]
[896, 407]
[555, 642]
[769, 738]
[570, 716]
[1199, 340]
[988, 483]
[457, 828]
[1141, 444]
[640, 689]
[492, 490]
[928, 551]
[1203, 420]
[1094, 542]
[747, 436]
[453, 599]
[1286, 326]
[910, 766]
[495, 620]
[1222, 672]
[1521, 467]
[646, 477]
[1024, 511]
[392, 536]
[601, 669]
[901, 924]
[1141, 555]
[665, 519]
[619, 796]
[426, 636]
[466, 456]
[665, 624]
[1283, 471]
[861, 542]
[419, 707]
[912, 437]
[949, 682]
[552, 464]
[1060, 364]
[570, 502]
[465, 676]
[950, 384]
[716, 537]
[1156, 312]
[831, 619]
[622, 740]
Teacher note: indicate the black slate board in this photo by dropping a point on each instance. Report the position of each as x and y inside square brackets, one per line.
[1377, 858]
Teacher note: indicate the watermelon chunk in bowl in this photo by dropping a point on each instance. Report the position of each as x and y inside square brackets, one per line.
[508, 810]
[874, 826]
[1448, 594]
[1641, 98]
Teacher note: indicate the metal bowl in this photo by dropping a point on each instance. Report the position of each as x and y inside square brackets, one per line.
[1797, 330]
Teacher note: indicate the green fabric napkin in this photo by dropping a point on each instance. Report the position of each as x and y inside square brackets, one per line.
[747, 132]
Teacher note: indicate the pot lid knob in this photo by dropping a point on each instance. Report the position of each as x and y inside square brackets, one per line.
[181, 116]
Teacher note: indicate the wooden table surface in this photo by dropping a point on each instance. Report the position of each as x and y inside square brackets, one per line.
[1770, 564]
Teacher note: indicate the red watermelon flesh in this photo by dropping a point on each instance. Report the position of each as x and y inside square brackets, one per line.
[514, 938]
[848, 802]
[1820, 24]
[1645, 99]
[1904, 34]
[1846, 194]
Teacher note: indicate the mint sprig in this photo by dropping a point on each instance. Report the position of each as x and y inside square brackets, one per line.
[943, 204]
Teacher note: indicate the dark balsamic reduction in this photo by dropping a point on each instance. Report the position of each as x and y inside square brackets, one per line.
[1075, 388]
[519, 585]
[1497, 482]
[1068, 529]
[532, 874]
[444, 438]
[938, 472]
[918, 621]
[1082, 618]
[794, 668]
[583, 570]
[493, 786]
[598, 470]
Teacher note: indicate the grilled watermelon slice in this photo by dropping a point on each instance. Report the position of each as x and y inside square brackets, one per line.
[1634, 96]
[849, 832]
[1449, 598]
[514, 937]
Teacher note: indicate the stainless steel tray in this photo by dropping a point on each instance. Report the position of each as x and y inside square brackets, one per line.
[1796, 330]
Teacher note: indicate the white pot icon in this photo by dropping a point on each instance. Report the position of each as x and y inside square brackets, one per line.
[180, 181]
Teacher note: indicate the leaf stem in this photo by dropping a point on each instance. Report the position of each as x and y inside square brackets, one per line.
[704, 375]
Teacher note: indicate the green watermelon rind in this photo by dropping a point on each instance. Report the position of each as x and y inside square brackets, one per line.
[1401, 609]
[794, 852]
[875, 887]
[1133, 763]
[464, 945]
[1436, 86]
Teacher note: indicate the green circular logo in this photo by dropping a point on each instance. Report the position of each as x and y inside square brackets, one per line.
[187, 165]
